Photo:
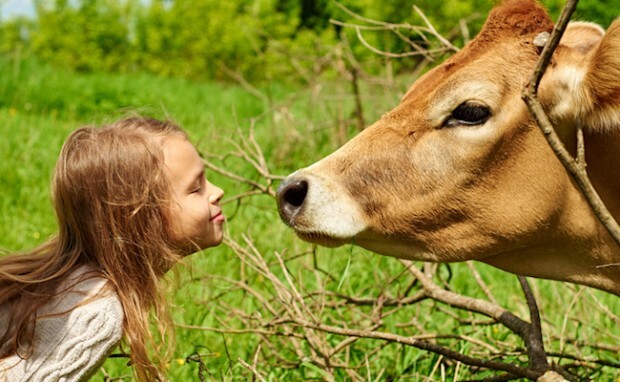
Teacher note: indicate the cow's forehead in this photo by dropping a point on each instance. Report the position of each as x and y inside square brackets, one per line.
[477, 75]
[486, 80]
[507, 34]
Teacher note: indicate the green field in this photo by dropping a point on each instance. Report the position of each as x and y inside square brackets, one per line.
[218, 289]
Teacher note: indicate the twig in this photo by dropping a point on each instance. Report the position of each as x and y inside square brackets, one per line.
[486, 308]
[434, 32]
[604, 309]
[376, 25]
[601, 362]
[485, 288]
[565, 321]
[534, 341]
[245, 84]
[251, 369]
[424, 345]
[384, 53]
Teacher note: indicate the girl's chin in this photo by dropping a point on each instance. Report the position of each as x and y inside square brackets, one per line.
[213, 241]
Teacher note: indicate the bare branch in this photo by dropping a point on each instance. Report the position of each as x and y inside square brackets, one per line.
[485, 288]
[251, 369]
[486, 308]
[434, 32]
[534, 341]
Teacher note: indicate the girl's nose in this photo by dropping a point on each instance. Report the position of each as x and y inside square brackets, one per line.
[216, 195]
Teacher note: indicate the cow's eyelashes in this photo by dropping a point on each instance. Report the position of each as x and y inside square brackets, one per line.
[468, 114]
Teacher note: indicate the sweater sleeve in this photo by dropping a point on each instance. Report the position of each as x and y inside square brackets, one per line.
[70, 347]
[95, 332]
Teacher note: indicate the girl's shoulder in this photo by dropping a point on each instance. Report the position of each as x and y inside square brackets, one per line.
[85, 289]
[74, 332]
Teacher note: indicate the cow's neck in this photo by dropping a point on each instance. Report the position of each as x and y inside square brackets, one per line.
[580, 251]
[582, 247]
[603, 166]
[594, 253]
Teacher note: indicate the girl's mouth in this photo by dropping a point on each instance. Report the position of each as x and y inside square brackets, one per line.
[219, 217]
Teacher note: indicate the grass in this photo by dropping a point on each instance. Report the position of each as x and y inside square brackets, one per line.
[40, 105]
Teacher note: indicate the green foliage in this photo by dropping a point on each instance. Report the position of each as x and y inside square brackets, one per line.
[207, 39]
[89, 37]
[602, 12]
[223, 33]
[12, 39]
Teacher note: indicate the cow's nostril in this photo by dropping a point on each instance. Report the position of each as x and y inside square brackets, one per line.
[291, 196]
[295, 193]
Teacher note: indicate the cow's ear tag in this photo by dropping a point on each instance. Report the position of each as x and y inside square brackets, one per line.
[541, 40]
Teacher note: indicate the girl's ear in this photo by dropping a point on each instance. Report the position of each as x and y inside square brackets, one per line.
[583, 82]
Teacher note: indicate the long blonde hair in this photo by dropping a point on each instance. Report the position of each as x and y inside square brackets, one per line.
[111, 198]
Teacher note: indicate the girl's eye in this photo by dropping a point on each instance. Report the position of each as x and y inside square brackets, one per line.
[468, 114]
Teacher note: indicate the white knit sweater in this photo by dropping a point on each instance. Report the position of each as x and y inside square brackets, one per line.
[72, 344]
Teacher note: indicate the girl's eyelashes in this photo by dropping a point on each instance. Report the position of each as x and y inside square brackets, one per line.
[199, 185]
[196, 187]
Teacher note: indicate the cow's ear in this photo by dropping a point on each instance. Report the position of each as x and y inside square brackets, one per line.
[603, 80]
[582, 36]
[583, 82]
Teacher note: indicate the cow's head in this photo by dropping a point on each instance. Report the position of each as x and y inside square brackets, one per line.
[459, 170]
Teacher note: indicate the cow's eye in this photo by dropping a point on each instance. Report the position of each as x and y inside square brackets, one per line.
[468, 114]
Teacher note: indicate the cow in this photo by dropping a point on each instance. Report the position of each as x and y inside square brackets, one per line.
[460, 171]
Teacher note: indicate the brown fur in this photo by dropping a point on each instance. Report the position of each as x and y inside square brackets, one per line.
[515, 17]
[605, 70]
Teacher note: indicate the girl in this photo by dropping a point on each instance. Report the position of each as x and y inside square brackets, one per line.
[131, 200]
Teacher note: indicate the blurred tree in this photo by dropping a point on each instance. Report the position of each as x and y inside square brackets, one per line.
[155, 40]
[14, 35]
[91, 35]
[205, 39]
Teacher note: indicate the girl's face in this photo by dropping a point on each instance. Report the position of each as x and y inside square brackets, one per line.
[196, 217]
